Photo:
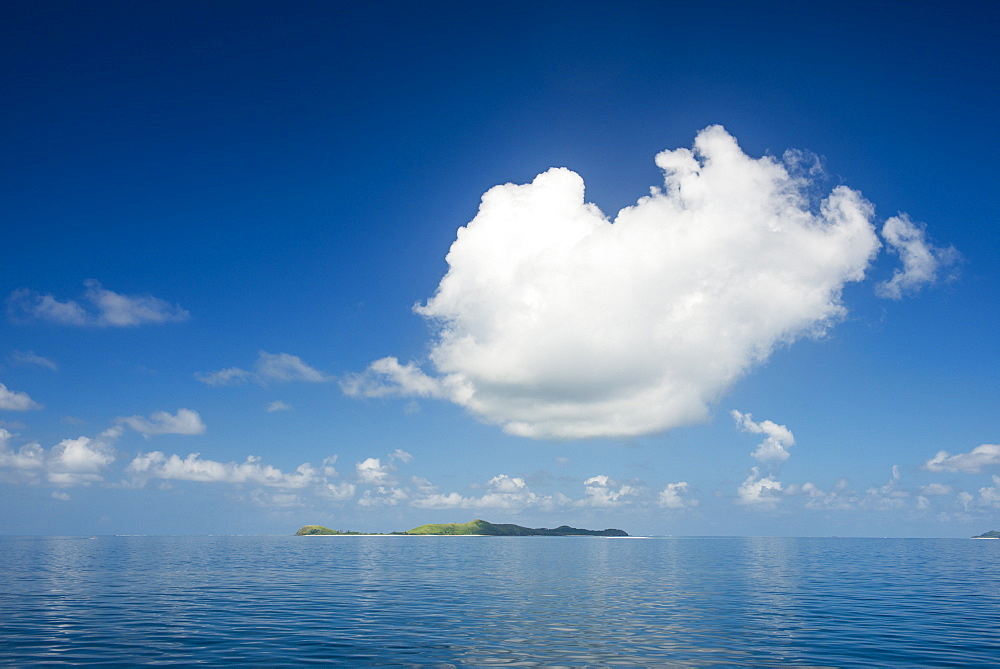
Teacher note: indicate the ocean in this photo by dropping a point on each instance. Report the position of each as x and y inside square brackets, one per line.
[363, 600]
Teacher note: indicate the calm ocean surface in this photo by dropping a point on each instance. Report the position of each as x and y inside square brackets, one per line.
[499, 600]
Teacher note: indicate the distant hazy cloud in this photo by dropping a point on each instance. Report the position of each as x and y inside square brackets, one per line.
[103, 308]
[185, 421]
[888, 496]
[775, 446]
[556, 323]
[383, 496]
[990, 496]
[30, 358]
[270, 367]
[987, 455]
[503, 492]
[156, 465]
[921, 261]
[12, 400]
[277, 405]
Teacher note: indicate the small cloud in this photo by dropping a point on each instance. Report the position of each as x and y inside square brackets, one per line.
[371, 470]
[231, 376]
[673, 496]
[104, 308]
[401, 455]
[185, 421]
[270, 367]
[921, 260]
[73, 420]
[277, 405]
[758, 490]
[31, 358]
[774, 447]
[386, 377]
[61, 495]
[383, 496]
[194, 468]
[991, 496]
[600, 491]
[986, 455]
[11, 400]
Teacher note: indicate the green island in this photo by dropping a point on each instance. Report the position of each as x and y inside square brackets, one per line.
[992, 534]
[475, 527]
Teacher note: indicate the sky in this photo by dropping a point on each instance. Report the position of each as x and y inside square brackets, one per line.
[707, 268]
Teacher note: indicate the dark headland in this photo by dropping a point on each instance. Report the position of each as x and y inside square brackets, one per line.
[992, 534]
[479, 527]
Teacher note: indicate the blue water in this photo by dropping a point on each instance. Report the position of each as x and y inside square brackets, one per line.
[499, 600]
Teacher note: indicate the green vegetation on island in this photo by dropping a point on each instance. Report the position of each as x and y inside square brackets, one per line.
[992, 534]
[477, 527]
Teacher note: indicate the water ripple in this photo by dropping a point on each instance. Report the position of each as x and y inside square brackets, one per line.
[498, 601]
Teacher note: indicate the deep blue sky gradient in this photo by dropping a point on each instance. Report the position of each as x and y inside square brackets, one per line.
[293, 174]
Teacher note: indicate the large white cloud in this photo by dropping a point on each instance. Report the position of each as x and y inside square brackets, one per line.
[105, 308]
[556, 323]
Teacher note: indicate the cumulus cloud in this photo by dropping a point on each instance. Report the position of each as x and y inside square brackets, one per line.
[157, 465]
[32, 358]
[600, 491]
[269, 368]
[921, 261]
[674, 496]
[185, 421]
[11, 400]
[71, 462]
[555, 322]
[986, 455]
[758, 490]
[775, 446]
[372, 471]
[101, 308]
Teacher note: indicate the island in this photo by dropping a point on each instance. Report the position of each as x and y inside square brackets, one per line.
[992, 534]
[475, 528]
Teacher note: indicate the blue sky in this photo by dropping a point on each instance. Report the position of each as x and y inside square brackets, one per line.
[237, 300]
